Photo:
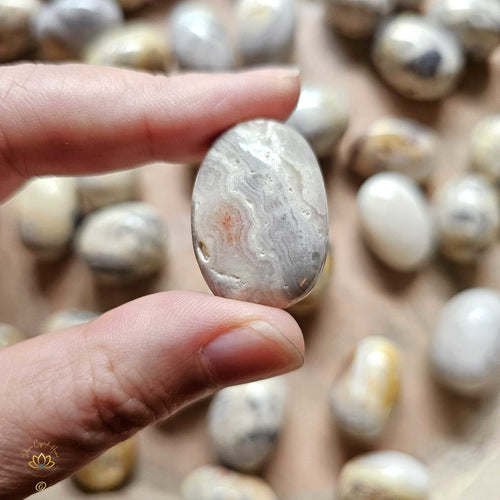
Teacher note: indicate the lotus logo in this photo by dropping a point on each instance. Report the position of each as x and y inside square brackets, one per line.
[42, 462]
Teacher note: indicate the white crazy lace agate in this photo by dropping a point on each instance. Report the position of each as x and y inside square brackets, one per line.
[259, 215]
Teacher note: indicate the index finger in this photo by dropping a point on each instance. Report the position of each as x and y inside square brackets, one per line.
[74, 119]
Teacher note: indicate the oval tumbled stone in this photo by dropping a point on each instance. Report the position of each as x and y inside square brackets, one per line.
[259, 215]
[396, 221]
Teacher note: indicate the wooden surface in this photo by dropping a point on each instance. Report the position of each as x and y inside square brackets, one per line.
[459, 439]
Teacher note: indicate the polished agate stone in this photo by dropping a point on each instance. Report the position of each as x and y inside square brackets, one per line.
[123, 243]
[99, 191]
[65, 27]
[199, 39]
[9, 335]
[321, 116]
[16, 37]
[396, 221]
[364, 395]
[475, 23]
[357, 18]
[259, 215]
[398, 145]
[244, 423]
[419, 59]
[485, 148]
[211, 482]
[468, 217]
[110, 470]
[136, 45]
[317, 295]
[266, 30]
[47, 212]
[384, 475]
[67, 318]
[465, 349]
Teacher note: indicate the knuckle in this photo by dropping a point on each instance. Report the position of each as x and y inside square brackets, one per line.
[118, 404]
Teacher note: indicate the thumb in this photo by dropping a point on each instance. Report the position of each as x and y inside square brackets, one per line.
[88, 387]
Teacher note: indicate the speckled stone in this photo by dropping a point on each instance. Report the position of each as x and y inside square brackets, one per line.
[199, 39]
[266, 30]
[396, 221]
[384, 475]
[365, 393]
[123, 243]
[321, 116]
[485, 148]
[316, 296]
[357, 18]
[475, 23]
[47, 211]
[110, 470]
[99, 191]
[468, 217]
[66, 319]
[419, 59]
[135, 45]
[398, 145]
[259, 215]
[244, 423]
[65, 27]
[9, 335]
[16, 37]
[216, 483]
[465, 349]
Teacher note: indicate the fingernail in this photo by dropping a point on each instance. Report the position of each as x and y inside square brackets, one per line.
[252, 351]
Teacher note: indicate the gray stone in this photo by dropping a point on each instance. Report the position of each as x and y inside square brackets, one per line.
[16, 37]
[396, 221]
[260, 216]
[321, 116]
[199, 39]
[465, 349]
[65, 27]
[245, 421]
[123, 243]
[475, 23]
[266, 30]
[468, 217]
[357, 18]
[419, 59]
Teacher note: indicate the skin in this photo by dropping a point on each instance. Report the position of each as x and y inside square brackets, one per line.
[91, 386]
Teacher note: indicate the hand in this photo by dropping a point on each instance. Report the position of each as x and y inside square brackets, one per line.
[88, 387]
